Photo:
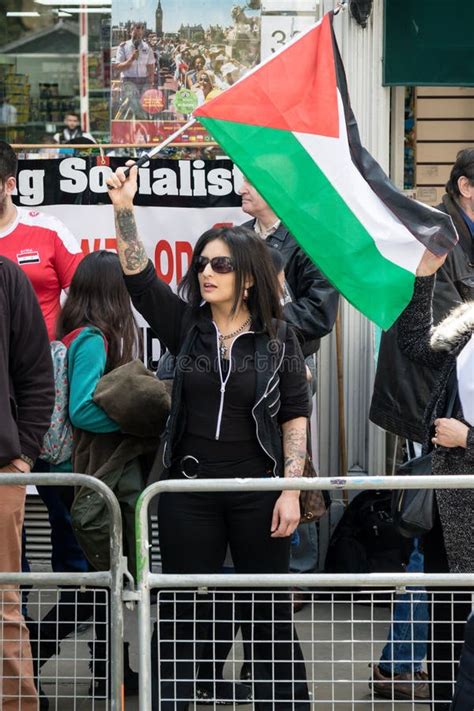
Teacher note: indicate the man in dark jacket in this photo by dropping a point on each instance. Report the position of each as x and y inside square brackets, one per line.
[27, 399]
[311, 307]
[312, 302]
[402, 388]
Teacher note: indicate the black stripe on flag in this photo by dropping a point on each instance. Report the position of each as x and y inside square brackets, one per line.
[433, 228]
[28, 259]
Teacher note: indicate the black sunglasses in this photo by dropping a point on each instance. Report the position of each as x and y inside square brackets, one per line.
[219, 265]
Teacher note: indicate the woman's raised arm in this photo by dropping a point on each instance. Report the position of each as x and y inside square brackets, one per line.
[130, 248]
[160, 307]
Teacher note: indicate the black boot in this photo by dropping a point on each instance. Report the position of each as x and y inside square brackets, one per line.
[98, 666]
[130, 677]
[39, 656]
[164, 705]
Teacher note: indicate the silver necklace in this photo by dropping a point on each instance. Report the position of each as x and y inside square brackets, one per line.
[223, 350]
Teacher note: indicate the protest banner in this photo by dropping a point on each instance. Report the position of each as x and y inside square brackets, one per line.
[176, 202]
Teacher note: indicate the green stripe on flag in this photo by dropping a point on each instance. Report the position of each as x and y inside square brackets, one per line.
[298, 191]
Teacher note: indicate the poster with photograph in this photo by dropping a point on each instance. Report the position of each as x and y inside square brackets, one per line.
[170, 56]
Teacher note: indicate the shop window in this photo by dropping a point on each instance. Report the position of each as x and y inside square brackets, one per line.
[40, 71]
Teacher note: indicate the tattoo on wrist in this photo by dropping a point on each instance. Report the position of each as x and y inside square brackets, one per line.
[134, 255]
[293, 467]
[294, 442]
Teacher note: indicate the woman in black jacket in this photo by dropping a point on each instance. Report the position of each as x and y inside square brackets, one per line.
[239, 408]
[449, 547]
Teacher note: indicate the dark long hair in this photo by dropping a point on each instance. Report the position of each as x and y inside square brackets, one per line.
[98, 297]
[252, 262]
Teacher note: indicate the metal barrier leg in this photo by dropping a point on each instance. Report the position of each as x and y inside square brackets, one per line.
[144, 609]
[108, 580]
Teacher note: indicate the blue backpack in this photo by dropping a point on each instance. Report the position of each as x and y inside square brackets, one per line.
[57, 442]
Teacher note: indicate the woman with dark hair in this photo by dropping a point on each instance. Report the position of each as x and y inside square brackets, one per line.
[197, 65]
[239, 408]
[99, 305]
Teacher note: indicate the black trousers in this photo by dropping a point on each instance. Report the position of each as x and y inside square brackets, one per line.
[194, 531]
[448, 620]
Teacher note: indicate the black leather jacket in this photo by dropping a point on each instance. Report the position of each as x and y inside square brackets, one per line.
[402, 388]
[184, 332]
[313, 310]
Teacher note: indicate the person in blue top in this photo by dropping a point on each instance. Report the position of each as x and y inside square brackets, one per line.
[98, 327]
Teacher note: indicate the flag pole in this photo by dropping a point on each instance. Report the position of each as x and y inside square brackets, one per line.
[147, 156]
[341, 5]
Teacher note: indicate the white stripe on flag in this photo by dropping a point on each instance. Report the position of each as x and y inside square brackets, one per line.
[390, 236]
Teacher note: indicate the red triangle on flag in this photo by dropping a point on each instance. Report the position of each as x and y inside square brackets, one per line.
[294, 91]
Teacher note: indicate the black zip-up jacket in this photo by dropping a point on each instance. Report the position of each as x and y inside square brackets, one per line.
[281, 388]
[402, 388]
[26, 370]
[313, 310]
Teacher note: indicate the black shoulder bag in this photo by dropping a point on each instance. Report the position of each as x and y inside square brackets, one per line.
[413, 509]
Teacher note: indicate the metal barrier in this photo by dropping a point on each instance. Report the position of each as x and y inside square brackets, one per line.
[373, 585]
[110, 580]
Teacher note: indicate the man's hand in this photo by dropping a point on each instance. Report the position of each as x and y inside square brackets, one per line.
[122, 189]
[430, 264]
[450, 433]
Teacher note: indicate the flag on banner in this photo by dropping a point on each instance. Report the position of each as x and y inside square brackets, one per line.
[289, 127]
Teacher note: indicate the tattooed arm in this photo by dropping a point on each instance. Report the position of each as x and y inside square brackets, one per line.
[130, 248]
[294, 446]
[286, 513]
[151, 296]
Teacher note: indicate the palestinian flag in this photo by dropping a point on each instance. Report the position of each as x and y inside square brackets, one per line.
[289, 127]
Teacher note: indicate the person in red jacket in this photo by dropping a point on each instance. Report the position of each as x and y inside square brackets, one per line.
[40, 244]
[48, 253]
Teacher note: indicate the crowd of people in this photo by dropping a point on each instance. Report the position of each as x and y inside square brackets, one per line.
[206, 68]
[242, 334]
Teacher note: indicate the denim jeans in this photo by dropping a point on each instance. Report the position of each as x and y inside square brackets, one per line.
[304, 550]
[66, 555]
[407, 643]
